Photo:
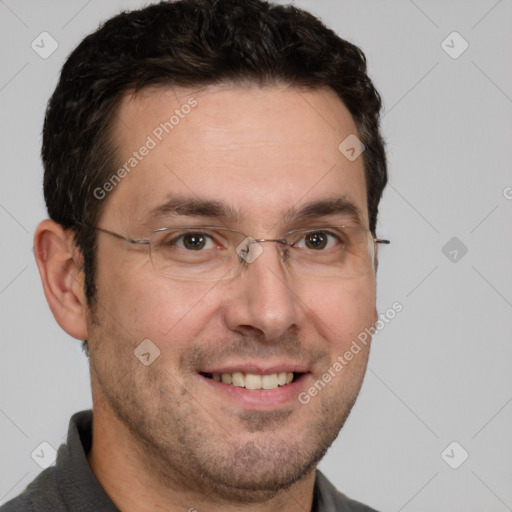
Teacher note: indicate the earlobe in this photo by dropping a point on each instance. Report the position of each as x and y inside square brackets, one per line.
[58, 262]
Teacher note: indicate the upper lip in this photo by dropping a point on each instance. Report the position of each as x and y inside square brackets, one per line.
[258, 368]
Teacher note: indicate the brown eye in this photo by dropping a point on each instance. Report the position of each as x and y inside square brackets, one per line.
[316, 240]
[194, 241]
[183, 240]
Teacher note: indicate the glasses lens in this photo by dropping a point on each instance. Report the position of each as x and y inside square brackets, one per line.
[332, 252]
[211, 254]
[195, 253]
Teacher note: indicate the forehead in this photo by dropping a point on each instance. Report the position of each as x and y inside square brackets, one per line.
[261, 152]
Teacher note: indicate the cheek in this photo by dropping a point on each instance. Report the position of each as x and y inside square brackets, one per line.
[342, 310]
[148, 305]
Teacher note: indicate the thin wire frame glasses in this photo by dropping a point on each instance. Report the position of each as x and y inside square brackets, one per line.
[212, 253]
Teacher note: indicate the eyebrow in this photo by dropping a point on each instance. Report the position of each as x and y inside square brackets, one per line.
[192, 207]
[339, 206]
[213, 209]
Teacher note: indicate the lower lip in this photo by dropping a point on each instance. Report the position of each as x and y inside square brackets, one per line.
[259, 399]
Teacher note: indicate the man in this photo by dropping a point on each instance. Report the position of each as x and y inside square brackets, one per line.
[212, 174]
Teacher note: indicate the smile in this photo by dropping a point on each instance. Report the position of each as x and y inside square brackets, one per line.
[254, 381]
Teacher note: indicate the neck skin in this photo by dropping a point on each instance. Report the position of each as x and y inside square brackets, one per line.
[133, 483]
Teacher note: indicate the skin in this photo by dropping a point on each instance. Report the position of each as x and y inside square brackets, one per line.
[163, 437]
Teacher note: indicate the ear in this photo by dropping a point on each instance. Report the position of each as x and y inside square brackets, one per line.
[376, 257]
[58, 260]
[376, 264]
[375, 316]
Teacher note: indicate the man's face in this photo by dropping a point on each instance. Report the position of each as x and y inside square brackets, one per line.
[261, 153]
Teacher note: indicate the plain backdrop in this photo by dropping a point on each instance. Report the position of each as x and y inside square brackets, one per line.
[440, 372]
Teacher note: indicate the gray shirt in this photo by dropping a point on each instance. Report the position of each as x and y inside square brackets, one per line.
[71, 485]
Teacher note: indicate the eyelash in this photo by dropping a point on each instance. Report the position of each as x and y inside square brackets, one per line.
[175, 240]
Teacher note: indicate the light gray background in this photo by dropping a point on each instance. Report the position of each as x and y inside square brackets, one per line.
[441, 370]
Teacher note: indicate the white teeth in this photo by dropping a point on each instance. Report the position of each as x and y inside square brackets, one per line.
[269, 381]
[238, 379]
[254, 381]
[227, 378]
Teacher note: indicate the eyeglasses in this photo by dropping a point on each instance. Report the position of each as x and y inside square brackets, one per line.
[211, 253]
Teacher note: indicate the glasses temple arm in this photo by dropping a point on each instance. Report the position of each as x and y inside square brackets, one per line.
[120, 237]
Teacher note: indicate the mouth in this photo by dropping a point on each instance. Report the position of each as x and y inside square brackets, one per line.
[255, 381]
[255, 385]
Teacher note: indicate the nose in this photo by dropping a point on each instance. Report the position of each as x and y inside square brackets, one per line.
[262, 297]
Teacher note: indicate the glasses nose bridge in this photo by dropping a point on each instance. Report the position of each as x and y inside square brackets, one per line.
[247, 258]
[279, 240]
[282, 244]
